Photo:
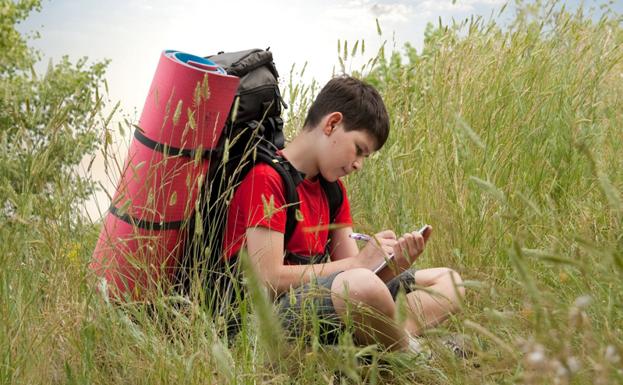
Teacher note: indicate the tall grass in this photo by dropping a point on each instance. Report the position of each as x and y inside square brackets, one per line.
[507, 139]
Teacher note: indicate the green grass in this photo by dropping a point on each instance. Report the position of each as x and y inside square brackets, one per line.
[508, 140]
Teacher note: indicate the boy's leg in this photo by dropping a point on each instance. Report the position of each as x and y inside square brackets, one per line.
[441, 296]
[362, 295]
[356, 295]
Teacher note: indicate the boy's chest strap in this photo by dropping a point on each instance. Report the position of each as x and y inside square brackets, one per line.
[297, 259]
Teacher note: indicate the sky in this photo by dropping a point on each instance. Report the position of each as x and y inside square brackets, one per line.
[133, 33]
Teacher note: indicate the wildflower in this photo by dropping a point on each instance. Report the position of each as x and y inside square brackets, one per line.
[561, 370]
[73, 254]
[564, 277]
[611, 355]
[536, 357]
[583, 302]
[573, 364]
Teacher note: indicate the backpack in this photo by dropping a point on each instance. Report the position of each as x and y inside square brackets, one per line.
[253, 135]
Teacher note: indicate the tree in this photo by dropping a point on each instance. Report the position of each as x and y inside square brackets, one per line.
[47, 125]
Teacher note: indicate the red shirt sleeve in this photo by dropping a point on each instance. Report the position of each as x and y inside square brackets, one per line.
[258, 201]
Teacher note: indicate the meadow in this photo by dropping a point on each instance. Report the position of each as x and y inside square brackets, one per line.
[506, 138]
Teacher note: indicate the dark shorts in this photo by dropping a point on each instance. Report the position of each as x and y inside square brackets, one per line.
[308, 309]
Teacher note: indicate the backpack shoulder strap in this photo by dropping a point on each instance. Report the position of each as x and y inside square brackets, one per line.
[334, 194]
[291, 178]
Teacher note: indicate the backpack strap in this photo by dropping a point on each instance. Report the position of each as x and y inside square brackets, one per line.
[333, 191]
[291, 179]
[297, 259]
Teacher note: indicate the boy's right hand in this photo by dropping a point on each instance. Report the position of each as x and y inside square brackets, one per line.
[378, 249]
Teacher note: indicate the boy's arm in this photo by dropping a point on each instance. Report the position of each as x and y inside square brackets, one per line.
[265, 249]
[342, 246]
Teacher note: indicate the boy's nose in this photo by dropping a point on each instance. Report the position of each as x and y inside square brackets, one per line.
[358, 163]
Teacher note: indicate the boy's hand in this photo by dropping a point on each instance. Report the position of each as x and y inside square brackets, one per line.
[409, 247]
[378, 248]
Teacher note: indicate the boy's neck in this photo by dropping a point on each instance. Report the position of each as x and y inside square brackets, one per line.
[301, 153]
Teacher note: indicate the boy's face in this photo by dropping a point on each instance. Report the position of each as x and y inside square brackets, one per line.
[344, 152]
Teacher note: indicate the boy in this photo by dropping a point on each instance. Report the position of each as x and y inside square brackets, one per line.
[345, 124]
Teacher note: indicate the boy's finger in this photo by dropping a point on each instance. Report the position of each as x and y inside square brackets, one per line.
[427, 232]
[391, 242]
[400, 248]
[408, 245]
[419, 241]
[388, 234]
[418, 244]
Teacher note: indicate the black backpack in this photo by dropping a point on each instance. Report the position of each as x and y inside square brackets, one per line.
[253, 134]
[258, 98]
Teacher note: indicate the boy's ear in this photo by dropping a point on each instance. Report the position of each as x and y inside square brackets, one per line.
[331, 121]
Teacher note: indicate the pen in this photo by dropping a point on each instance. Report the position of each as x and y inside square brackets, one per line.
[360, 237]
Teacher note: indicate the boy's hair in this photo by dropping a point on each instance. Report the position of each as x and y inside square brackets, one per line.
[360, 104]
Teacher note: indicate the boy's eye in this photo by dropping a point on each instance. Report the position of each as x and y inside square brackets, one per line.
[360, 151]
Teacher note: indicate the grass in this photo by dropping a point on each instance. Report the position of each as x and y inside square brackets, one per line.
[507, 139]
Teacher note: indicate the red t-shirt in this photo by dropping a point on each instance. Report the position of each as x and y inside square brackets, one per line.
[260, 201]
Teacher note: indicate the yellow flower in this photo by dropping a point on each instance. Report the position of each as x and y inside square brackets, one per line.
[564, 277]
[73, 253]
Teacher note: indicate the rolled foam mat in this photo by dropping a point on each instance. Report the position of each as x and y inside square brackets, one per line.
[143, 234]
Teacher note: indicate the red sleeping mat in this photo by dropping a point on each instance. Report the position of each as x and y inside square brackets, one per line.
[143, 233]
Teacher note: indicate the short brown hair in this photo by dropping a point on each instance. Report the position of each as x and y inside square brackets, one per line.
[361, 106]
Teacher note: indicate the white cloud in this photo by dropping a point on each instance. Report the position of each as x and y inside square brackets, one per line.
[437, 6]
[397, 11]
[449, 6]
[393, 12]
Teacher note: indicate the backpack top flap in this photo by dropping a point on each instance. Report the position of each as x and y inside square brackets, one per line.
[242, 62]
[258, 94]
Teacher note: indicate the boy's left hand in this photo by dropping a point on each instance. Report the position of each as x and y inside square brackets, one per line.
[409, 247]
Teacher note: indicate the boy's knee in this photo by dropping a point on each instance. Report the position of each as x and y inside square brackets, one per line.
[453, 279]
[458, 282]
[364, 287]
